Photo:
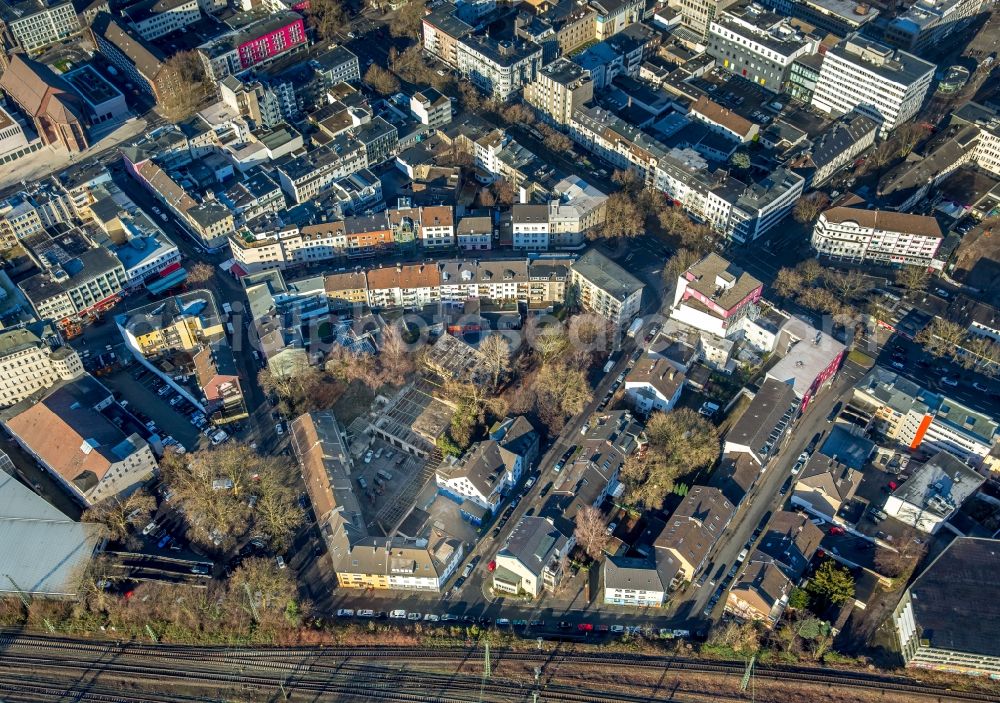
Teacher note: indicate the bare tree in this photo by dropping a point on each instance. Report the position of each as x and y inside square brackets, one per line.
[848, 284]
[395, 358]
[495, 350]
[261, 587]
[200, 273]
[808, 207]
[913, 278]
[187, 72]
[902, 560]
[590, 532]
[941, 337]
[122, 513]
[561, 392]
[680, 442]
[408, 20]
[622, 217]
[381, 80]
[680, 262]
[788, 282]
[328, 17]
[215, 487]
[505, 192]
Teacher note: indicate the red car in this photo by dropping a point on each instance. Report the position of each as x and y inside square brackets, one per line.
[585, 627]
[837, 531]
[893, 485]
[492, 566]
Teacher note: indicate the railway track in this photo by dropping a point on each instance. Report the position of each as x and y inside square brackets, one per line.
[266, 666]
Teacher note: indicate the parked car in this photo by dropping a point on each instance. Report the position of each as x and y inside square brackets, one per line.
[366, 613]
[345, 613]
[280, 561]
[397, 615]
[414, 616]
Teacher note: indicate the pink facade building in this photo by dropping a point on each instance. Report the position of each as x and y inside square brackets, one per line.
[714, 296]
[255, 44]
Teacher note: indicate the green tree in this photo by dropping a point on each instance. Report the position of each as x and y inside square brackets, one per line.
[832, 584]
[798, 599]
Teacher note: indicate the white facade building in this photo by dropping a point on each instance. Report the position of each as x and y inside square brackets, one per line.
[887, 85]
[34, 24]
[876, 236]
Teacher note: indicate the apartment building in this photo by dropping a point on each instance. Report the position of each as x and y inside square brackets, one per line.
[691, 532]
[987, 120]
[632, 582]
[757, 45]
[723, 121]
[616, 141]
[499, 68]
[559, 89]
[31, 358]
[885, 84]
[360, 558]
[530, 226]
[925, 421]
[75, 432]
[475, 233]
[930, 23]
[605, 288]
[881, 237]
[715, 296]
[256, 44]
[152, 19]
[835, 148]
[530, 561]
[303, 177]
[32, 25]
[77, 277]
[653, 385]
[431, 108]
[612, 16]
[142, 63]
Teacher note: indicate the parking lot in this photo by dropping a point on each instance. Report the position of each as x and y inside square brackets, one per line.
[389, 480]
[141, 397]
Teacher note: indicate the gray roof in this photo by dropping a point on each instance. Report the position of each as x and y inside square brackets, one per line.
[534, 542]
[848, 449]
[44, 552]
[896, 66]
[634, 574]
[765, 419]
[940, 486]
[957, 598]
[607, 275]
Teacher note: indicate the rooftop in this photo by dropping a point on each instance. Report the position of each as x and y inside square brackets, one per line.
[957, 595]
[604, 273]
[892, 65]
[886, 220]
[721, 281]
[45, 553]
[940, 486]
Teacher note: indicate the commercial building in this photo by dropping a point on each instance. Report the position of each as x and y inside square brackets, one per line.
[183, 341]
[531, 560]
[141, 62]
[17, 139]
[605, 288]
[809, 359]
[431, 108]
[360, 558]
[757, 45]
[714, 295]
[70, 431]
[34, 24]
[77, 277]
[933, 493]
[939, 621]
[31, 359]
[885, 84]
[930, 23]
[653, 385]
[879, 237]
[922, 420]
[837, 17]
[559, 89]
[58, 113]
[103, 102]
[698, 15]
[46, 554]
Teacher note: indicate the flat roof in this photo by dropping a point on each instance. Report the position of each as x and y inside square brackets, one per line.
[606, 274]
[44, 552]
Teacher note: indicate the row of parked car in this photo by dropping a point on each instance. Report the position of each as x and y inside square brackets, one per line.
[180, 404]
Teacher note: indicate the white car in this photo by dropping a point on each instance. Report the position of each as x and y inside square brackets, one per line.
[368, 456]
[149, 528]
[345, 613]
[414, 616]
[431, 617]
[366, 613]
[280, 561]
[279, 429]
[949, 382]
[618, 629]
[397, 615]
